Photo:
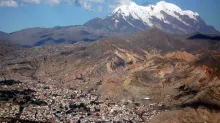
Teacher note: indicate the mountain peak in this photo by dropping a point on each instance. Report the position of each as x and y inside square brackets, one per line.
[125, 7]
[173, 7]
[165, 3]
[169, 6]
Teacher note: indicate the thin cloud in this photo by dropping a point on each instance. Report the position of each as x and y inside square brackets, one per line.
[31, 1]
[98, 5]
[8, 3]
[90, 5]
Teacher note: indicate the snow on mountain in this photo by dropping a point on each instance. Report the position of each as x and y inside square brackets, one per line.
[146, 13]
[169, 17]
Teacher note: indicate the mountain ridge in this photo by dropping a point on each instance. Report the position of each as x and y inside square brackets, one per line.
[131, 18]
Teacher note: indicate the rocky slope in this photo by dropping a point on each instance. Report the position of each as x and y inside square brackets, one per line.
[57, 35]
[4, 36]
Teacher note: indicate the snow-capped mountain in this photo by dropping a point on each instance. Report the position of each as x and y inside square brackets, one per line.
[125, 19]
[131, 18]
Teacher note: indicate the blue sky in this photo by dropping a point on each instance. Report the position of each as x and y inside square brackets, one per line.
[20, 14]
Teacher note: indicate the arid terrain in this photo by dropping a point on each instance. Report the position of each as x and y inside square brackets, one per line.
[139, 78]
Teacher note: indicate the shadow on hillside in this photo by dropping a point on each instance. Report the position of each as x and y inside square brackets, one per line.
[20, 97]
[9, 82]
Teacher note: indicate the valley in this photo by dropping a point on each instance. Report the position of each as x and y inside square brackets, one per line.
[137, 78]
